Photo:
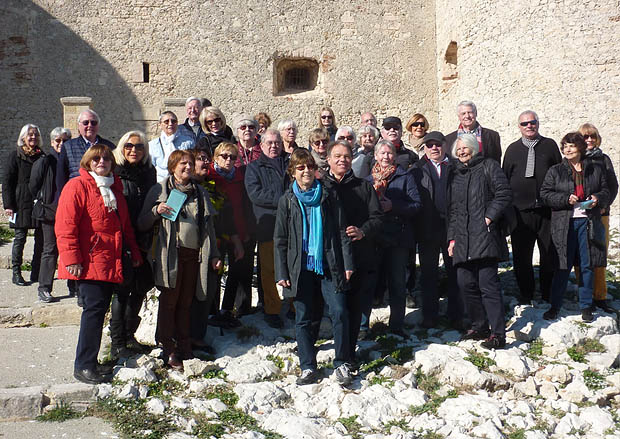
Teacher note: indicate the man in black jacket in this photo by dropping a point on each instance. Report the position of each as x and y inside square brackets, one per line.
[488, 140]
[363, 213]
[525, 164]
[433, 174]
[265, 182]
[392, 131]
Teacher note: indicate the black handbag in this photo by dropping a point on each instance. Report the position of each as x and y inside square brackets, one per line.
[596, 232]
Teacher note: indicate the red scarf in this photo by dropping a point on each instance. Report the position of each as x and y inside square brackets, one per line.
[381, 176]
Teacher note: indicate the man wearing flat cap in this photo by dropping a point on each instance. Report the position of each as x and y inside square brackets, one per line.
[392, 131]
[433, 174]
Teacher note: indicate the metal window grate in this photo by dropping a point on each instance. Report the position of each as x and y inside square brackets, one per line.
[297, 78]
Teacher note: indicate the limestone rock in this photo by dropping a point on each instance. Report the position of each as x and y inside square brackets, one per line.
[569, 423]
[21, 403]
[293, 426]
[195, 367]
[556, 373]
[104, 391]
[259, 396]
[374, 407]
[250, 370]
[527, 388]
[575, 392]
[598, 419]
[513, 362]
[612, 344]
[469, 410]
[487, 430]
[156, 406]
[139, 374]
[128, 391]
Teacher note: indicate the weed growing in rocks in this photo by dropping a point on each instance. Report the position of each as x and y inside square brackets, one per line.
[374, 365]
[519, 433]
[535, 349]
[593, 380]
[401, 423]
[429, 384]
[223, 393]
[277, 360]
[60, 413]
[132, 419]
[578, 352]
[433, 404]
[210, 374]
[481, 361]
[429, 434]
[165, 388]
[6, 234]
[352, 426]
[382, 381]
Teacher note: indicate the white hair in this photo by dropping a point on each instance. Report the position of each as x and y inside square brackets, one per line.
[528, 112]
[91, 112]
[467, 104]
[287, 123]
[60, 131]
[469, 141]
[24, 131]
[193, 98]
[345, 129]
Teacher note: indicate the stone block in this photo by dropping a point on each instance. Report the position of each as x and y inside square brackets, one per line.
[15, 317]
[21, 403]
[57, 315]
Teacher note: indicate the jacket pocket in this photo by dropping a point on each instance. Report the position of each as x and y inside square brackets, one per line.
[94, 244]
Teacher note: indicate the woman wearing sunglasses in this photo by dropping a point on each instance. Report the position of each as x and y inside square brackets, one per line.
[137, 174]
[214, 124]
[417, 126]
[92, 222]
[313, 258]
[327, 121]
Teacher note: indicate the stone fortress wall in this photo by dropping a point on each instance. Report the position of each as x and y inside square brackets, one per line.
[558, 57]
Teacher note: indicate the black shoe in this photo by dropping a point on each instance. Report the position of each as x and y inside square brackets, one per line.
[399, 332]
[410, 301]
[80, 301]
[457, 324]
[46, 296]
[106, 369]
[308, 376]
[90, 376]
[475, 334]
[273, 321]
[121, 352]
[494, 342]
[137, 347]
[524, 300]
[603, 305]
[428, 323]
[233, 322]
[586, 315]
[551, 314]
[18, 279]
[174, 362]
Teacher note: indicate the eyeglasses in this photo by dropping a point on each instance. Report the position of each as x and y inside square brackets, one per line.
[216, 120]
[326, 116]
[203, 158]
[170, 122]
[345, 138]
[98, 158]
[389, 126]
[417, 124]
[228, 156]
[310, 166]
[89, 122]
[433, 145]
[247, 127]
[528, 122]
[320, 142]
[589, 136]
[129, 146]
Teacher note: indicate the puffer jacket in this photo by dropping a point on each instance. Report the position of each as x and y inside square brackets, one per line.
[598, 157]
[479, 190]
[555, 191]
[15, 191]
[288, 235]
[88, 234]
[402, 191]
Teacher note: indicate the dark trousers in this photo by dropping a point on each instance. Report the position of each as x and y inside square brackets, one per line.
[479, 282]
[49, 257]
[412, 268]
[577, 252]
[17, 252]
[200, 310]
[96, 296]
[309, 306]
[359, 299]
[239, 274]
[126, 305]
[533, 227]
[429, 280]
[173, 317]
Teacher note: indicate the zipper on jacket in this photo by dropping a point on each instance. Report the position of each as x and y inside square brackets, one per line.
[94, 245]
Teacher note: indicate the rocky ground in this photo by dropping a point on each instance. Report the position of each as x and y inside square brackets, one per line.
[555, 379]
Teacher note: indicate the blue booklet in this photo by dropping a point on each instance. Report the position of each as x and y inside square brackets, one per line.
[175, 201]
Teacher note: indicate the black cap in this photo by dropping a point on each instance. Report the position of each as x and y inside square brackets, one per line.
[434, 135]
[392, 120]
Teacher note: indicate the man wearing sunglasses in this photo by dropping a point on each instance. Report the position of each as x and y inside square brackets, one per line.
[488, 140]
[525, 164]
[392, 131]
[68, 165]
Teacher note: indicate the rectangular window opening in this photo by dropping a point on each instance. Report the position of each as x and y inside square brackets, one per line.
[146, 74]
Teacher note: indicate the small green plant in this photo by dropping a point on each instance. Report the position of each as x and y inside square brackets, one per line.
[6, 234]
[244, 333]
[593, 380]
[224, 394]
[519, 433]
[60, 413]
[164, 388]
[433, 404]
[43, 325]
[352, 426]
[382, 381]
[277, 360]
[429, 384]
[481, 361]
[543, 426]
[374, 365]
[26, 266]
[402, 354]
[321, 341]
[579, 351]
[400, 423]
[576, 354]
[215, 373]
[429, 434]
[535, 349]
[387, 342]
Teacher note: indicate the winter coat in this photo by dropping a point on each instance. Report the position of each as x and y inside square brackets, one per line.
[16, 194]
[210, 141]
[555, 191]
[361, 209]
[402, 191]
[186, 130]
[137, 181]
[42, 186]
[265, 181]
[603, 160]
[90, 235]
[288, 234]
[479, 190]
[165, 258]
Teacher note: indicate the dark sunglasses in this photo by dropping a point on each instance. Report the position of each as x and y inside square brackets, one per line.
[327, 117]
[433, 144]
[228, 156]
[98, 158]
[345, 138]
[203, 158]
[216, 120]
[247, 127]
[589, 136]
[89, 122]
[529, 122]
[390, 126]
[170, 122]
[310, 167]
[129, 146]
[417, 124]
[320, 142]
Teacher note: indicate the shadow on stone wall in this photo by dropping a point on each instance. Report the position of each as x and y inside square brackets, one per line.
[42, 60]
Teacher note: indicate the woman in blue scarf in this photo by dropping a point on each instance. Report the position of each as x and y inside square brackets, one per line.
[313, 257]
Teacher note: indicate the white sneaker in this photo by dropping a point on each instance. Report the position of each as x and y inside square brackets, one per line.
[342, 374]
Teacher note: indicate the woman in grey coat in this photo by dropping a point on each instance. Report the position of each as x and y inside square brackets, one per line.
[185, 253]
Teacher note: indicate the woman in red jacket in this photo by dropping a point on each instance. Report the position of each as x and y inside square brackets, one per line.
[91, 223]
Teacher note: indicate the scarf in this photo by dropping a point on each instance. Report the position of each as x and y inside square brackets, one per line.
[30, 152]
[168, 140]
[476, 132]
[104, 184]
[320, 161]
[312, 241]
[381, 177]
[531, 155]
[578, 179]
[227, 175]
[594, 152]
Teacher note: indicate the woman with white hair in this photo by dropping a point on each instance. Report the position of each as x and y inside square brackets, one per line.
[480, 193]
[43, 189]
[18, 201]
[248, 145]
[169, 140]
[363, 153]
[288, 132]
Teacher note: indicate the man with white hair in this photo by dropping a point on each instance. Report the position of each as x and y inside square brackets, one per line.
[191, 127]
[368, 118]
[489, 144]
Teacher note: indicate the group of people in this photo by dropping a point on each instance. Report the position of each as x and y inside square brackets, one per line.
[334, 224]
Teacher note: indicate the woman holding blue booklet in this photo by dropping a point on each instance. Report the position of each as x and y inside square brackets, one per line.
[185, 252]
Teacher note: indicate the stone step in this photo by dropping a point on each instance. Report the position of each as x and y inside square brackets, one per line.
[83, 428]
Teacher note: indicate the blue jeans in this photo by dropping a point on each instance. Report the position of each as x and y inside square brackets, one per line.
[312, 290]
[576, 250]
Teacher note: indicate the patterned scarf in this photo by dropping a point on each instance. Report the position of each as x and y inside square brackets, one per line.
[381, 177]
[531, 155]
[476, 132]
[228, 175]
[312, 241]
[578, 179]
[30, 152]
